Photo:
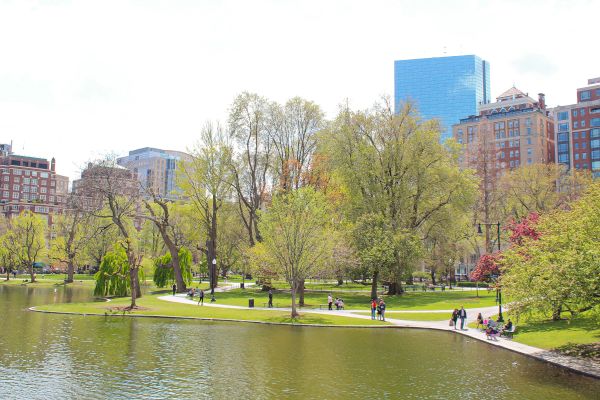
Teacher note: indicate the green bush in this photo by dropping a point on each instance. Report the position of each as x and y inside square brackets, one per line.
[472, 284]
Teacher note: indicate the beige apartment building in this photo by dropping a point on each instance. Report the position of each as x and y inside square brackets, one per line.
[513, 131]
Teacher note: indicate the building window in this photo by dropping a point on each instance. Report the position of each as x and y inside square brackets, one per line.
[562, 147]
[15, 195]
[595, 164]
[577, 166]
[583, 135]
[575, 135]
[576, 146]
[574, 113]
[577, 156]
[582, 112]
[563, 127]
[585, 95]
[595, 143]
[584, 156]
[529, 161]
[529, 151]
[528, 140]
[562, 116]
[596, 154]
[594, 133]
[582, 123]
[595, 122]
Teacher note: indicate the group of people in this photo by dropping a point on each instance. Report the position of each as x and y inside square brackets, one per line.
[193, 291]
[459, 314]
[492, 328]
[378, 308]
[338, 303]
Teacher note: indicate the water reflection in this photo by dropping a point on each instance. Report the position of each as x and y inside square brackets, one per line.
[59, 356]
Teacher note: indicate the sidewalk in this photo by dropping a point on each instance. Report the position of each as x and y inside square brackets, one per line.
[586, 367]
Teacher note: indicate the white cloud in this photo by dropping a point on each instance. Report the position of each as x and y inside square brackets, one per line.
[79, 79]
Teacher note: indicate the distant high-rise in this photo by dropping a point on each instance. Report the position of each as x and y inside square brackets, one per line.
[155, 169]
[446, 88]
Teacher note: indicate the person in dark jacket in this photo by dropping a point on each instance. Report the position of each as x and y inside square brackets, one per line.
[462, 314]
[174, 289]
[270, 299]
[454, 317]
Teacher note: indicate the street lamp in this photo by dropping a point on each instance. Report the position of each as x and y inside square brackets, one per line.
[498, 288]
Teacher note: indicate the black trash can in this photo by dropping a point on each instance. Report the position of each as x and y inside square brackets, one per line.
[251, 303]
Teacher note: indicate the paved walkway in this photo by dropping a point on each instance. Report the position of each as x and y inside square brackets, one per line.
[586, 367]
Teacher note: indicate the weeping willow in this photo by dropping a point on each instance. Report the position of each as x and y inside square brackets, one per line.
[113, 276]
[163, 268]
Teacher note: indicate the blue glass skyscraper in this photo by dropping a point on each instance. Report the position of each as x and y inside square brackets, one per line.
[446, 88]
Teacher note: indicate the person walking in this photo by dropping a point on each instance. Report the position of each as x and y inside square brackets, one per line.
[201, 297]
[454, 317]
[382, 307]
[330, 301]
[373, 308]
[270, 299]
[174, 289]
[462, 314]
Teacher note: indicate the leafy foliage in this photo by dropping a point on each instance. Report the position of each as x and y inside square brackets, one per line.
[487, 268]
[163, 268]
[113, 276]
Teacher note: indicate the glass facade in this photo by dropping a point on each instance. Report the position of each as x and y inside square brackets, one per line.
[446, 88]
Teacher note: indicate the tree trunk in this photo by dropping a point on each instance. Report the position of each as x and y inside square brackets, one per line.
[70, 271]
[556, 311]
[213, 243]
[396, 288]
[31, 273]
[294, 311]
[176, 267]
[433, 276]
[301, 290]
[374, 285]
[7, 274]
[340, 282]
[133, 278]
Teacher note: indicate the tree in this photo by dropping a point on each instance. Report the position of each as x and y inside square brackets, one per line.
[540, 188]
[159, 213]
[116, 198]
[557, 269]
[394, 165]
[249, 127]
[8, 259]
[206, 181]
[294, 230]
[26, 239]
[72, 232]
[113, 277]
[487, 268]
[164, 271]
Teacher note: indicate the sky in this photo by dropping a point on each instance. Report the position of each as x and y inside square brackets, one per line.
[82, 79]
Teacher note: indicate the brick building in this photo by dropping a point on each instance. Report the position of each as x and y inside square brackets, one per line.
[578, 130]
[513, 131]
[30, 183]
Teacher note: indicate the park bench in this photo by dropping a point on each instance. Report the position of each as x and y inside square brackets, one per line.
[509, 333]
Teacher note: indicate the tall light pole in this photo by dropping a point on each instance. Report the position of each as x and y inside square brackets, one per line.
[498, 288]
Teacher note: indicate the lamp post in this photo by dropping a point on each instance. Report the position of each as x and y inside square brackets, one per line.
[213, 271]
[498, 288]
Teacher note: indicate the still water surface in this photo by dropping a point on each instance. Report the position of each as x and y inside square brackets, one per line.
[44, 356]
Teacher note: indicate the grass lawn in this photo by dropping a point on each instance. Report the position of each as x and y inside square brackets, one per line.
[412, 316]
[548, 334]
[153, 306]
[357, 301]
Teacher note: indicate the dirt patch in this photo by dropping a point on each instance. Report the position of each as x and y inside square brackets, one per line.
[124, 309]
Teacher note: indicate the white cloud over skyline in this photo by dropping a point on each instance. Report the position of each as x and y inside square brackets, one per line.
[79, 79]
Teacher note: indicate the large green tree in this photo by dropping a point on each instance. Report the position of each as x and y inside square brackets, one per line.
[558, 269]
[295, 236]
[26, 240]
[393, 164]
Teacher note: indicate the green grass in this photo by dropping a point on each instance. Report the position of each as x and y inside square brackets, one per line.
[548, 334]
[153, 306]
[356, 300]
[412, 316]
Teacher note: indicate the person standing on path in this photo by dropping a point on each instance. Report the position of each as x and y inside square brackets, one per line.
[454, 317]
[201, 297]
[373, 308]
[330, 301]
[174, 289]
[382, 307]
[462, 314]
[270, 298]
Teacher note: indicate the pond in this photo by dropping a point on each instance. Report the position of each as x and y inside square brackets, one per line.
[45, 356]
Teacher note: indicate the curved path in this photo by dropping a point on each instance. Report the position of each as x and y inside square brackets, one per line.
[586, 367]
